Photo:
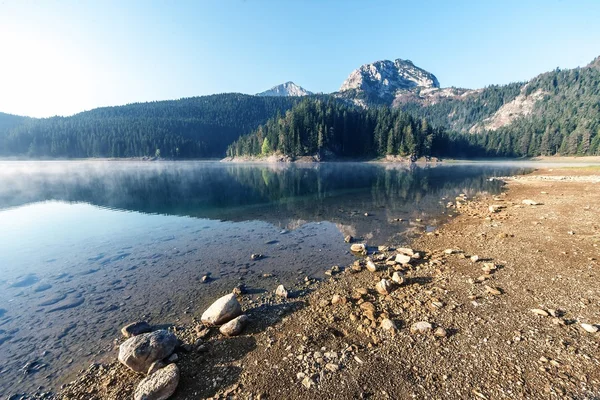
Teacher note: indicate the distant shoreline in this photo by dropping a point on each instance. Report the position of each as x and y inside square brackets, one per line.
[309, 159]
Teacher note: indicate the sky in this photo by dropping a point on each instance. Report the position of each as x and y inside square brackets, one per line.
[62, 57]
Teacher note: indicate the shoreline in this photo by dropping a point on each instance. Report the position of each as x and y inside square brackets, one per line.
[485, 317]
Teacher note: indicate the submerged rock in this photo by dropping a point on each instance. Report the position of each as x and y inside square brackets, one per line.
[140, 352]
[221, 311]
[235, 326]
[160, 385]
[358, 248]
[136, 328]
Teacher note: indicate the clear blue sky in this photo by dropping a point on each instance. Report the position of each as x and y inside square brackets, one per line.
[62, 57]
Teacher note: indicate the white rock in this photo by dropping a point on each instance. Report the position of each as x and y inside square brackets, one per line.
[235, 326]
[402, 259]
[384, 286]
[141, 351]
[421, 327]
[590, 328]
[388, 325]
[371, 265]
[406, 251]
[281, 292]
[398, 277]
[223, 310]
[528, 202]
[539, 311]
[358, 248]
[160, 385]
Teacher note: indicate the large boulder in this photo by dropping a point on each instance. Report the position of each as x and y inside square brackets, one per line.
[160, 385]
[139, 352]
[221, 311]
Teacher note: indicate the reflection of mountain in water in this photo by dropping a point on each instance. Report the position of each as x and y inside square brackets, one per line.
[280, 194]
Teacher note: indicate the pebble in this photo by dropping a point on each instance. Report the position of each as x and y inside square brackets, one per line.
[371, 265]
[402, 259]
[493, 291]
[440, 332]
[421, 327]
[529, 202]
[384, 287]
[358, 248]
[281, 292]
[590, 328]
[539, 311]
[388, 325]
[398, 277]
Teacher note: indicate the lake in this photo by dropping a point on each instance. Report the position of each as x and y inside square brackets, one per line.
[88, 246]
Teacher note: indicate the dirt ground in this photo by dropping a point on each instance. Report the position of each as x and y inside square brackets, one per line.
[491, 344]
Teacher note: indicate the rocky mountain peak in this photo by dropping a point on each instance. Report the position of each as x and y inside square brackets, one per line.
[285, 89]
[384, 78]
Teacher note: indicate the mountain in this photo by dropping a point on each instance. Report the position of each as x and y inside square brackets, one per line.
[285, 90]
[382, 81]
[193, 127]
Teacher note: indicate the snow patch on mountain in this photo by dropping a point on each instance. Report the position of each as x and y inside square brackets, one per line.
[285, 89]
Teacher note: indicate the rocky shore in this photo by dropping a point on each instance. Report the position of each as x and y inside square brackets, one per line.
[501, 302]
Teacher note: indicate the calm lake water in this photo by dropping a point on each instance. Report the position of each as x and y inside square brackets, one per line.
[86, 247]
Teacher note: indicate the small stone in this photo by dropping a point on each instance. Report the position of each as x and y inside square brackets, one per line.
[332, 367]
[256, 256]
[308, 382]
[440, 332]
[338, 299]
[348, 239]
[474, 259]
[160, 385]
[173, 358]
[450, 251]
[402, 259]
[239, 290]
[383, 248]
[235, 326]
[398, 277]
[358, 248]
[371, 265]
[388, 325]
[590, 328]
[529, 202]
[367, 306]
[406, 251]
[488, 268]
[361, 291]
[384, 287]
[422, 327]
[539, 311]
[205, 278]
[136, 328]
[493, 291]
[281, 292]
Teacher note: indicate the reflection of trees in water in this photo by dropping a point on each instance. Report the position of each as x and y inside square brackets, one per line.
[233, 191]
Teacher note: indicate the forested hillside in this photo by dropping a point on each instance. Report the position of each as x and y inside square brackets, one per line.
[562, 117]
[9, 121]
[330, 128]
[187, 128]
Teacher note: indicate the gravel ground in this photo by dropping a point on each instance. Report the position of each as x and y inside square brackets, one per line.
[482, 340]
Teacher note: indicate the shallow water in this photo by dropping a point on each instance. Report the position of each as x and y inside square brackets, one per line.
[86, 247]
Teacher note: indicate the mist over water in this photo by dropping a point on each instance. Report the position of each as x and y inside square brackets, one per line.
[83, 244]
